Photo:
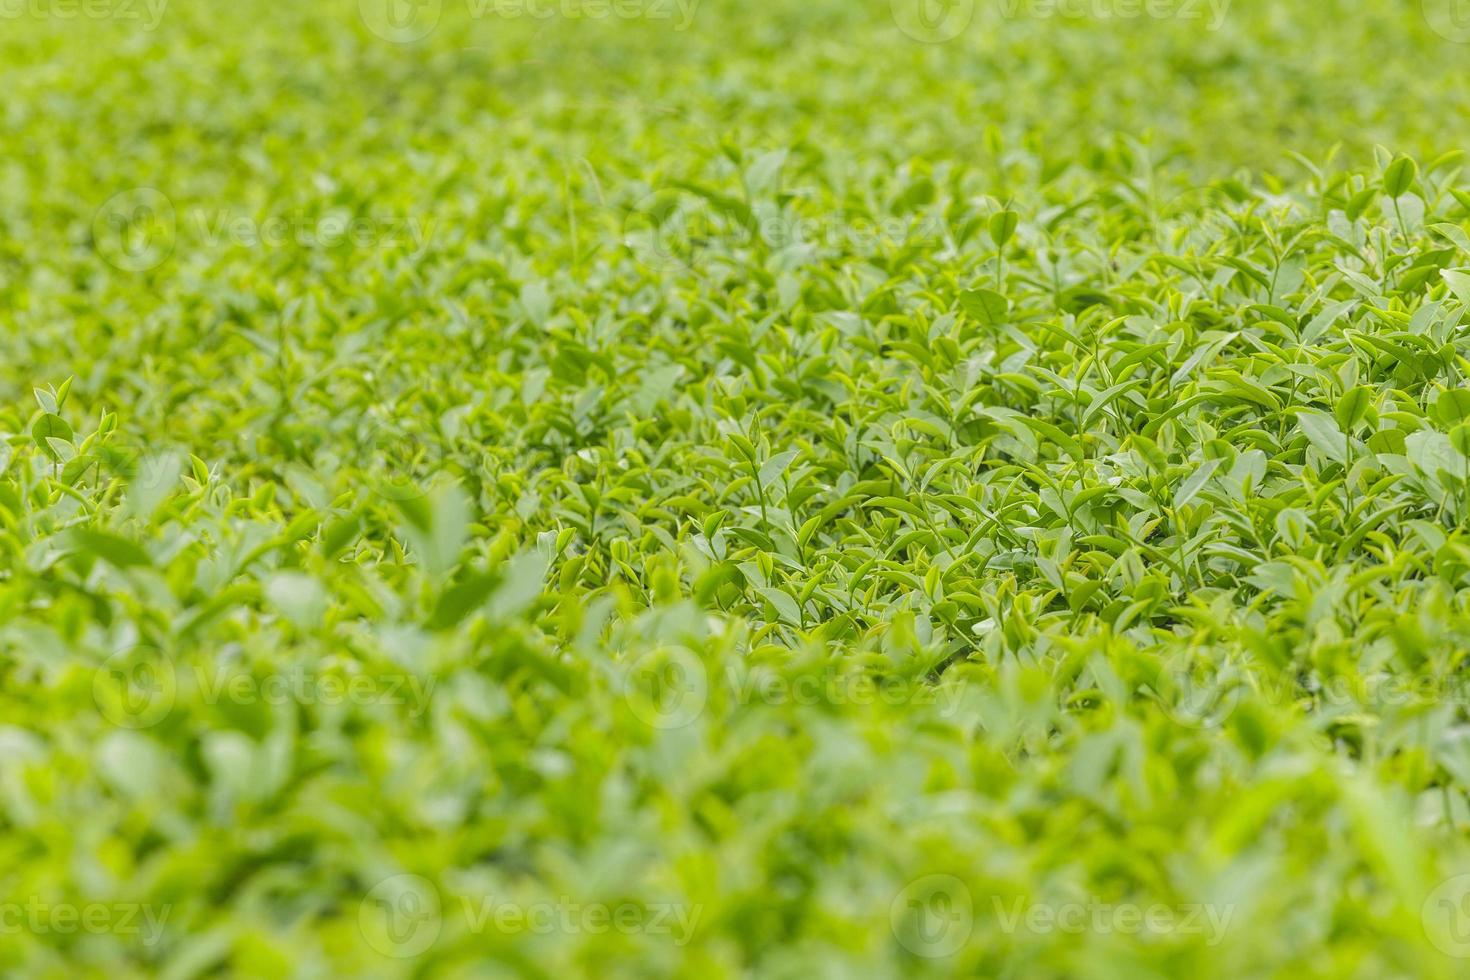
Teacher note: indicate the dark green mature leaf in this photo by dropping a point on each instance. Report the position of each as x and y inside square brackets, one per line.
[1353, 407]
[1399, 177]
[985, 305]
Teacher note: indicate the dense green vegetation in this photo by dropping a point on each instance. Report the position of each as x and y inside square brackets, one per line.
[721, 489]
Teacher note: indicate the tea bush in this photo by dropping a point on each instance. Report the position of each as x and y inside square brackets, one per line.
[674, 488]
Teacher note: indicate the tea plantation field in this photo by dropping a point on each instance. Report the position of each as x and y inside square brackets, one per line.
[690, 488]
